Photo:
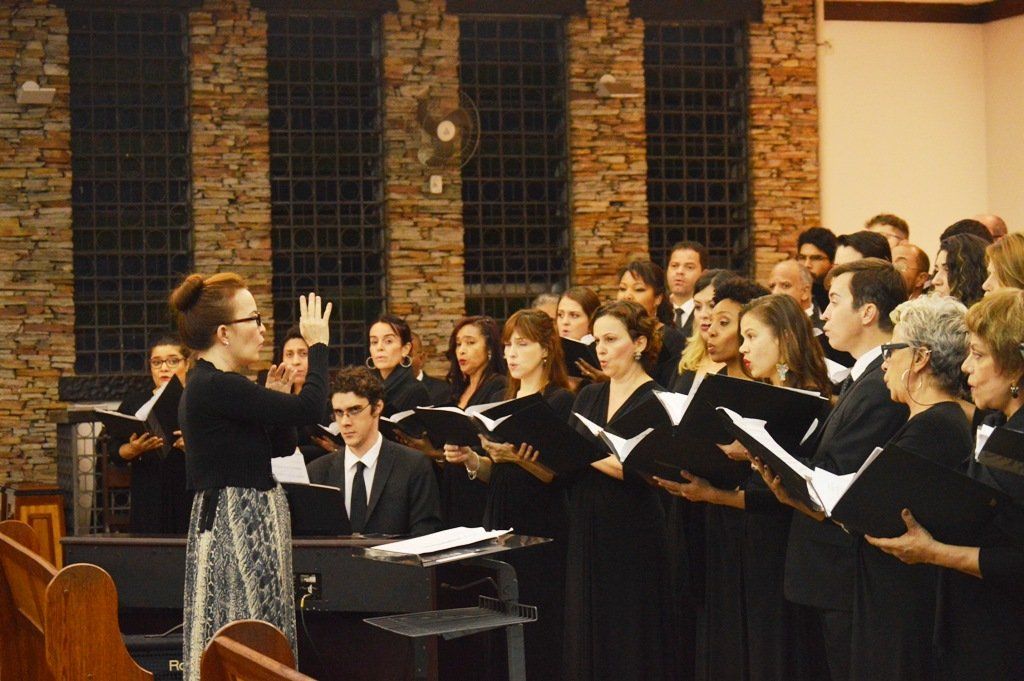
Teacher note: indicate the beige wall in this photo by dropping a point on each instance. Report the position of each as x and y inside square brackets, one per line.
[903, 124]
[1004, 114]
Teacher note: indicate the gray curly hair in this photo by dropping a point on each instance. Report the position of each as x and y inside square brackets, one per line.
[940, 325]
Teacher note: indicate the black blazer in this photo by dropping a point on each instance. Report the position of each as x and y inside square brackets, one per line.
[820, 560]
[404, 498]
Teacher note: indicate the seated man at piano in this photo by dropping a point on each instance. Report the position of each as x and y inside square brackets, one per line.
[388, 488]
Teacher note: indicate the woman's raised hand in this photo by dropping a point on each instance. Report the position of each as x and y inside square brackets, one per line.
[313, 318]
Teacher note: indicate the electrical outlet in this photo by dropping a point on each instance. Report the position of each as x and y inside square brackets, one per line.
[308, 583]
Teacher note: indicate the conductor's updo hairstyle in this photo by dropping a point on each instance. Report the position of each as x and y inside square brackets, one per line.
[638, 323]
[201, 304]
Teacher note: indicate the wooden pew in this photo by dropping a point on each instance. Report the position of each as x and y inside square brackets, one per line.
[83, 638]
[249, 650]
[23, 579]
[62, 626]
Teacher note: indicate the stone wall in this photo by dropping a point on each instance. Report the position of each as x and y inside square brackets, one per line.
[608, 199]
[231, 144]
[783, 129]
[425, 254]
[36, 306]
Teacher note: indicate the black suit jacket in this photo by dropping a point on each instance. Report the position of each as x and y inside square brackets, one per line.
[404, 497]
[820, 560]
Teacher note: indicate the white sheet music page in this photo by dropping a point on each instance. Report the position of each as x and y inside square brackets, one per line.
[675, 404]
[290, 468]
[441, 541]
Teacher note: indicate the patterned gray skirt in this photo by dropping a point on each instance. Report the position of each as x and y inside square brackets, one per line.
[238, 565]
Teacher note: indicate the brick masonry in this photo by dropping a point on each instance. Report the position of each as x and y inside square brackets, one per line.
[425, 257]
[36, 306]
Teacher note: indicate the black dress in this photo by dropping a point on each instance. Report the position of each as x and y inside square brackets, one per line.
[463, 500]
[618, 606]
[519, 500]
[402, 391]
[160, 504]
[687, 561]
[894, 603]
[978, 621]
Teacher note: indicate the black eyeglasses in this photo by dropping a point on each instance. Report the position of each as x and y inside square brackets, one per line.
[255, 318]
[171, 362]
[890, 348]
[351, 412]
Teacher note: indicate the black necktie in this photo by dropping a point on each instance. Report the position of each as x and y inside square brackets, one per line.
[679, 317]
[845, 385]
[357, 515]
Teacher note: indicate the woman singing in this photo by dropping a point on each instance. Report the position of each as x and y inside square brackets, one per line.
[520, 494]
[238, 557]
[617, 606]
[981, 590]
[159, 501]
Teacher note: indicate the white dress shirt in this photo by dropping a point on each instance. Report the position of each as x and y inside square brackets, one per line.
[370, 459]
[687, 309]
[861, 365]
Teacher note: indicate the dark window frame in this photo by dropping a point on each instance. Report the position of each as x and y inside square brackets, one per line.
[131, 187]
[504, 271]
[319, 240]
[698, 147]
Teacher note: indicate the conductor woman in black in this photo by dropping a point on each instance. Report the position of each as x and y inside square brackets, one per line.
[159, 501]
[238, 562]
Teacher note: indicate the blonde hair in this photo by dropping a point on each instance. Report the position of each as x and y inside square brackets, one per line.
[1007, 259]
[998, 319]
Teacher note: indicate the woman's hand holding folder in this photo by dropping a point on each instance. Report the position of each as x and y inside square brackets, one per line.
[917, 545]
[775, 485]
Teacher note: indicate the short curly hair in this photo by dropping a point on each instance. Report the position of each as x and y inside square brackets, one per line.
[998, 319]
[939, 324]
[360, 381]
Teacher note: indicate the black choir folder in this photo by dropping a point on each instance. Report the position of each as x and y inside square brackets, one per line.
[1004, 449]
[317, 510]
[644, 454]
[695, 430]
[403, 423]
[950, 505]
[575, 350]
[157, 417]
[463, 427]
[529, 420]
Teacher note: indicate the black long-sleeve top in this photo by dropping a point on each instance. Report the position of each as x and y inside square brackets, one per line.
[233, 426]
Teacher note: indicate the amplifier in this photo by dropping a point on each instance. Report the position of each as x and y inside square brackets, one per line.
[160, 655]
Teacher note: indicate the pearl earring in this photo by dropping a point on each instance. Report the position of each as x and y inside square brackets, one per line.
[1015, 390]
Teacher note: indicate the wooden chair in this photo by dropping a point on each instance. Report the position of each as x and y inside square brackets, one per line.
[57, 626]
[249, 650]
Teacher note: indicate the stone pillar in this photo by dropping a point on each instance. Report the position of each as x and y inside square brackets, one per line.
[426, 252]
[231, 145]
[785, 190]
[37, 313]
[607, 144]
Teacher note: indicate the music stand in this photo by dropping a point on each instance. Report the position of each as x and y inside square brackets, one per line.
[504, 612]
